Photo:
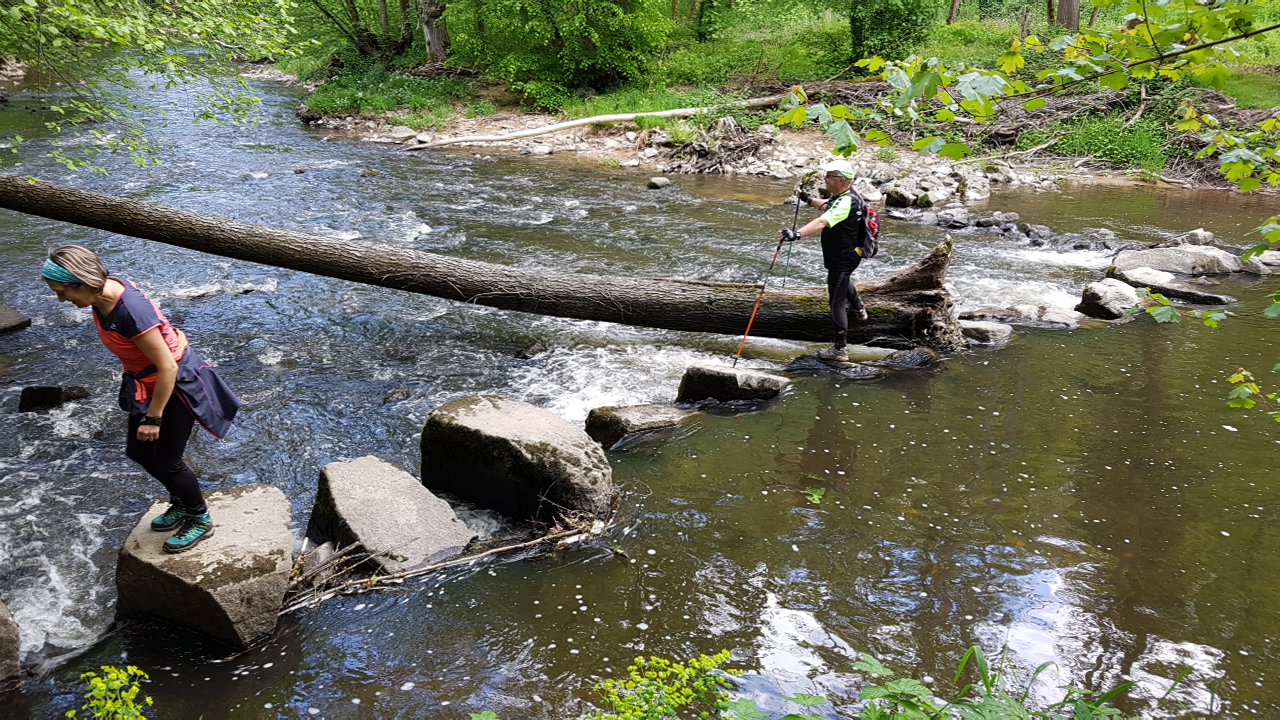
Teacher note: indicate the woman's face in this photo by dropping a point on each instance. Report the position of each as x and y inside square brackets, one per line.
[79, 295]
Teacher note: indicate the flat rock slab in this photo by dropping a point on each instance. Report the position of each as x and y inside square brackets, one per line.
[517, 459]
[9, 647]
[388, 512]
[1169, 286]
[725, 384]
[609, 425]
[231, 585]
[11, 321]
[983, 332]
[44, 397]
[1184, 260]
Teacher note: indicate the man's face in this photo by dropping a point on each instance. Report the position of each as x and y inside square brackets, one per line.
[835, 182]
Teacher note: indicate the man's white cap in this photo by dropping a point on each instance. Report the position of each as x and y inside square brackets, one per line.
[838, 166]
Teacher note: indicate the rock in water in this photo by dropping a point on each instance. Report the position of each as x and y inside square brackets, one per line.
[609, 425]
[11, 321]
[8, 648]
[515, 458]
[230, 586]
[388, 512]
[725, 384]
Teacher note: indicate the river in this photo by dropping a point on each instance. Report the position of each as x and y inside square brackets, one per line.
[1082, 497]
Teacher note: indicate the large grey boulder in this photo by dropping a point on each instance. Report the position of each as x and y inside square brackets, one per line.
[609, 425]
[1108, 299]
[388, 512]
[230, 586]
[725, 384]
[985, 332]
[1184, 260]
[1270, 258]
[10, 320]
[1169, 286]
[8, 647]
[512, 457]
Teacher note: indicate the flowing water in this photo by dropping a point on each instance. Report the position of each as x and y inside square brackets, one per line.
[1082, 497]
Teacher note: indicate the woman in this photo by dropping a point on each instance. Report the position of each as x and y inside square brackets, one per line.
[167, 385]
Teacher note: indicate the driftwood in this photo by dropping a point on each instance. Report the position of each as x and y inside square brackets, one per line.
[911, 308]
[751, 104]
[342, 567]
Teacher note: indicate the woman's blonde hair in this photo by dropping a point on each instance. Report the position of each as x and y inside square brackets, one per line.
[81, 262]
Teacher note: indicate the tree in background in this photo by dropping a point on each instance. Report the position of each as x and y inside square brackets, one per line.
[889, 28]
[544, 47]
[102, 52]
[371, 27]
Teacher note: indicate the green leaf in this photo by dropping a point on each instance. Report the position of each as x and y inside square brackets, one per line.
[486, 715]
[806, 700]
[1010, 62]
[1115, 81]
[1033, 104]
[843, 136]
[797, 117]
[955, 151]
[814, 495]
[928, 145]
[1165, 314]
[1249, 184]
[871, 666]
[944, 116]
[908, 687]
[745, 709]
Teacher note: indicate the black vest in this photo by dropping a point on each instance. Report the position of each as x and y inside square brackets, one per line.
[840, 242]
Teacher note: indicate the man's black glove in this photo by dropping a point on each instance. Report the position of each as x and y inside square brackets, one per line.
[803, 196]
[790, 235]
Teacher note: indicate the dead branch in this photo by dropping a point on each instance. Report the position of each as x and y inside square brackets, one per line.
[376, 582]
[751, 104]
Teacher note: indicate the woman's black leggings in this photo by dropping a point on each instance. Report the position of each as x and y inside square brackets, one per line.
[162, 457]
[843, 296]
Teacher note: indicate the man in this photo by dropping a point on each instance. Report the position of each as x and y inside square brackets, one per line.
[841, 227]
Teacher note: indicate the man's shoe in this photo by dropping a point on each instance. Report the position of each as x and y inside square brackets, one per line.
[169, 519]
[837, 354]
[193, 529]
[862, 314]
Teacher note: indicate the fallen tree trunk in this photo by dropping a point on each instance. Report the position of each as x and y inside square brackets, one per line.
[911, 308]
[751, 104]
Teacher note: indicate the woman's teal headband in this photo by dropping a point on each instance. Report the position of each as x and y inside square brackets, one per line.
[55, 272]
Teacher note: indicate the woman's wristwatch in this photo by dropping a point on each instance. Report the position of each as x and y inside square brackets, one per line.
[148, 420]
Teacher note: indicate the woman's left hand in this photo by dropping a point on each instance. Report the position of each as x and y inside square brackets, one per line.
[148, 433]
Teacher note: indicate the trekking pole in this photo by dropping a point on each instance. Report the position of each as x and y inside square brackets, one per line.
[760, 298]
[786, 269]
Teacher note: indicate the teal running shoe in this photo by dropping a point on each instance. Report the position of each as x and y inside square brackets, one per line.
[194, 527]
[170, 518]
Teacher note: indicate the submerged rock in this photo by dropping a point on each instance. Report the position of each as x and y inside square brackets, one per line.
[9, 647]
[11, 321]
[1169, 286]
[514, 458]
[610, 425]
[1109, 299]
[725, 384]
[44, 397]
[230, 586]
[911, 359]
[812, 365]
[1028, 315]
[388, 512]
[657, 183]
[984, 332]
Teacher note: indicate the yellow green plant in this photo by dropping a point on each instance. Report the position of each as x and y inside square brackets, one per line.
[113, 695]
[658, 689]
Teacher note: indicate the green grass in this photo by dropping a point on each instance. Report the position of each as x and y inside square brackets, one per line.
[1106, 138]
[636, 99]
[376, 90]
[1253, 88]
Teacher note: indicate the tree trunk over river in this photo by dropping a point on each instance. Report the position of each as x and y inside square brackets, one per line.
[911, 308]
